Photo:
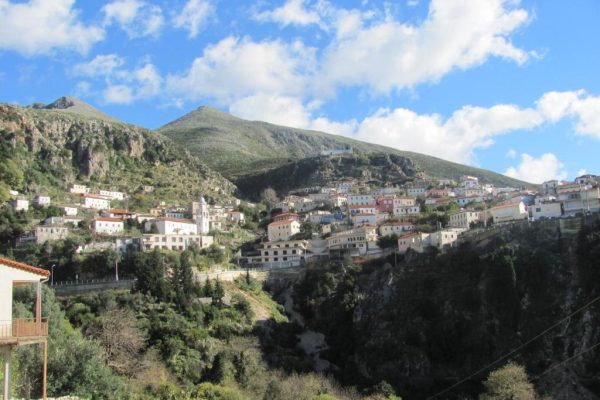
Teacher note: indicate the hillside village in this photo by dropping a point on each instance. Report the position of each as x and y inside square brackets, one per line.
[344, 218]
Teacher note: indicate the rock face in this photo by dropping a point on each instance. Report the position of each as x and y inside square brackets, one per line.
[65, 146]
[377, 168]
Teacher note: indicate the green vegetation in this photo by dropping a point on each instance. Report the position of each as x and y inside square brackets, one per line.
[508, 382]
[448, 315]
[236, 147]
[47, 149]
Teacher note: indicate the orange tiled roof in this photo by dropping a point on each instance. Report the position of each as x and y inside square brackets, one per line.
[24, 267]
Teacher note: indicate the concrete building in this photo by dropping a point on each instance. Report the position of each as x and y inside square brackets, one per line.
[361, 219]
[20, 204]
[42, 201]
[203, 217]
[395, 227]
[353, 242]
[96, 202]
[79, 189]
[509, 212]
[464, 218]
[416, 191]
[172, 226]
[107, 226]
[70, 211]
[286, 253]
[282, 230]
[49, 233]
[542, 210]
[360, 199]
[178, 242]
[236, 217]
[112, 194]
[407, 210]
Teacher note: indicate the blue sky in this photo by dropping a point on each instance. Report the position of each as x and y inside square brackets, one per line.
[506, 85]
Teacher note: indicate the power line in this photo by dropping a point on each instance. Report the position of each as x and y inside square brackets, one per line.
[504, 357]
[566, 361]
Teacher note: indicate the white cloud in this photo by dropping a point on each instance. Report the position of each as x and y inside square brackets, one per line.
[41, 27]
[193, 16]
[237, 68]
[293, 12]
[584, 108]
[582, 172]
[118, 94]
[101, 65]
[136, 17]
[538, 170]
[412, 3]
[512, 153]
[288, 111]
[457, 34]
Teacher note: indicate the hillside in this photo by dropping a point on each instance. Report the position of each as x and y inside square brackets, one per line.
[239, 148]
[69, 141]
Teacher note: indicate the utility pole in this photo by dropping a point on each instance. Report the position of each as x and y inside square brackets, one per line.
[117, 268]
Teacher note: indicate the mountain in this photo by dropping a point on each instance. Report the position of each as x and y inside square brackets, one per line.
[69, 141]
[241, 149]
[73, 105]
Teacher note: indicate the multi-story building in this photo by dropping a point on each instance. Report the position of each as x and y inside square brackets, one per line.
[177, 242]
[395, 227]
[286, 253]
[403, 201]
[354, 242]
[20, 204]
[464, 218]
[112, 194]
[70, 211]
[407, 210]
[282, 230]
[49, 233]
[96, 202]
[107, 226]
[509, 212]
[416, 191]
[79, 189]
[172, 226]
[42, 201]
[361, 219]
[360, 199]
[550, 209]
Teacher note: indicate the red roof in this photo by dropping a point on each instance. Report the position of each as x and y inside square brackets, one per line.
[119, 211]
[283, 222]
[24, 267]
[285, 215]
[506, 205]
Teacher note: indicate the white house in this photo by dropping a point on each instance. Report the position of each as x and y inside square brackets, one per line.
[172, 226]
[416, 241]
[344, 187]
[177, 242]
[360, 219]
[42, 201]
[236, 217]
[464, 218]
[395, 227]
[282, 230]
[360, 199]
[285, 253]
[416, 191]
[467, 181]
[355, 242]
[20, 204]
[107, 226]
[403, 201]
[546, 210]
[79, 189]
[112, 194]
[70, 211]
[22, 331]
[407, 210]
[363, 209]
[96, 202]
[509, 212]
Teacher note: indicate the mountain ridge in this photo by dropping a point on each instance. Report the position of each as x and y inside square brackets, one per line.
[238, 148]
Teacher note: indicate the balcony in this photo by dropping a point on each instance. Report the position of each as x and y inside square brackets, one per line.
[23, 331]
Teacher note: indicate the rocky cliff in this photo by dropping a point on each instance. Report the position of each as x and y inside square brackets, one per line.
[68, 141]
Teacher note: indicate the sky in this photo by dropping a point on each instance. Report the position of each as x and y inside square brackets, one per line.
[507, 85]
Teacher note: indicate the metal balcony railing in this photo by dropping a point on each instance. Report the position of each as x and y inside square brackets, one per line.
[23, 328]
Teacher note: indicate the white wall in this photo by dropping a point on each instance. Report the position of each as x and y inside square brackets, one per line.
[7, 276]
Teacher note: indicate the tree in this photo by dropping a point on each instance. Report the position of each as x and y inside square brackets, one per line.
[218, 293]
[388, 241]
[269, 196]
[508, 383]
